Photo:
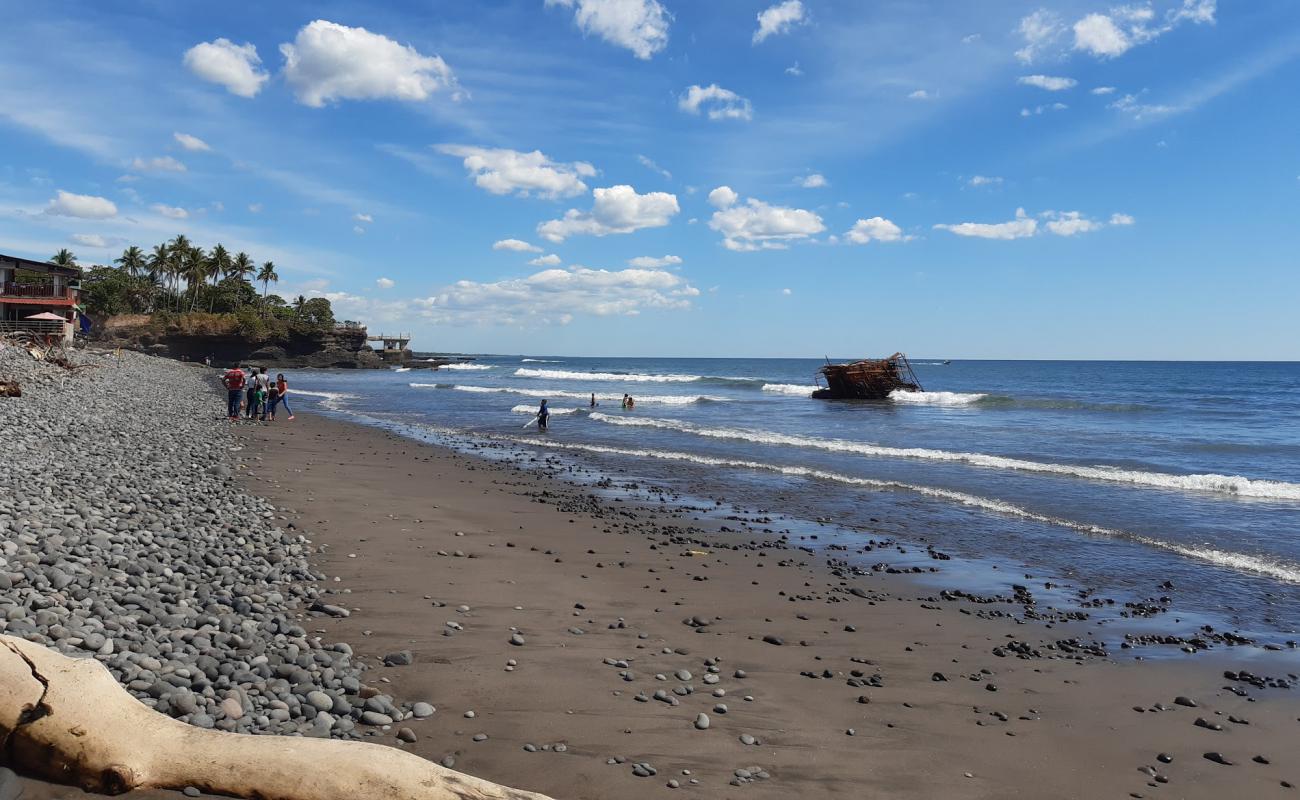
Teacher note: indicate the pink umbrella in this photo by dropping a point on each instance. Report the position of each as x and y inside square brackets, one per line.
[47, 315]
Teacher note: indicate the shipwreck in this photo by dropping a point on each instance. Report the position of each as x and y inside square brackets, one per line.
[869, 379]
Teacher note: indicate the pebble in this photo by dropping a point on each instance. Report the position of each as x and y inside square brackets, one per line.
[702, 721]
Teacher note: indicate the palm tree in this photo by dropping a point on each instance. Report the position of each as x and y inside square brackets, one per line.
[196, 272]
[179, 249]
[64, 258]
[267, 276]
[132, 261]
[242, 268]
[159, 266]
[298, 303]
[218, 266]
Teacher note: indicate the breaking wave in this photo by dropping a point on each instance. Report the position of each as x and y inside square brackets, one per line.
[565, 375]
[936, 398]
[1273, 568]
[540, 361]
[331, 400]
[789, 388]
[1220, 484]
[532, 410]
[466, 366]
[662, 399]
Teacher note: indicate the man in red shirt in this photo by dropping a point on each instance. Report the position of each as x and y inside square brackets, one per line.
[233, 380]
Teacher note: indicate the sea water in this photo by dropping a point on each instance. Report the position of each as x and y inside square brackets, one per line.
[1116, 476]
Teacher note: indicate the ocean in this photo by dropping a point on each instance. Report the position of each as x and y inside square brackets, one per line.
[1129, 481]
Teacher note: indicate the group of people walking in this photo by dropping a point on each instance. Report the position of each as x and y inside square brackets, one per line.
[255, 394]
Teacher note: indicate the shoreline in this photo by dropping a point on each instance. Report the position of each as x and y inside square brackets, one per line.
[392, 503]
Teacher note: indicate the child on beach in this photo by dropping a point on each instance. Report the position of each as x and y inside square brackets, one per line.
[272, 399]
[250, 404]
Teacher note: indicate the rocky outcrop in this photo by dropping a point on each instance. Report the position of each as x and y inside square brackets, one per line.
[341, 348]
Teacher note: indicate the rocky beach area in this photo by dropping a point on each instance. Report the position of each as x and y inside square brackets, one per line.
[321, 578]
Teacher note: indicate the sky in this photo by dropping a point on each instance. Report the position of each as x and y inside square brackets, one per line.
[1051, 179]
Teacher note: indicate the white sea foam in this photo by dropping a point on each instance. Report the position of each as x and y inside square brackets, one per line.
[466, 366]
[789, 388]
[330, 400]
[1280, 570]
[936, 398]
[402, 369]
[540, 361]
[1220, 484]
[525, 409]
[662, 399]
[565, 375]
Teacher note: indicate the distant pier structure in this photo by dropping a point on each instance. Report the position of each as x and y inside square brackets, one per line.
[394, 348]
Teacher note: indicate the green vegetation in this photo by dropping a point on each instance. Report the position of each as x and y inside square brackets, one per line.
[187, 289]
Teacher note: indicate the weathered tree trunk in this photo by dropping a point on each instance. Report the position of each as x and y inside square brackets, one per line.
[67, 720]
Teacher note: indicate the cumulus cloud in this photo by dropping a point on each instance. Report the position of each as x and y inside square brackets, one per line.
[715, 101]
[813, 181]
[502, 171]
[1022, 227]
[984, 180]
[1069, 223]
[192, 143]
[171, 212]
[366, 218]
[637, 25]
[517, 245]
[1102, 90]
[327, 62]
[555, 296]
[1048, 82]
[779, 18]
[551, 260]
[615, 209]
[1098, 34]
[723, 197]
[1040, 31]
[1125, 27]
[234, 66]
[755, 225]
[919, 94]
[876, 229]
[85, 206]
[95, 240]
[651, 262]
[385, 283]
[1121, 219]
[158, 164]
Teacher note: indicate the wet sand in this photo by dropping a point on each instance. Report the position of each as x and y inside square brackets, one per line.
[878, 687]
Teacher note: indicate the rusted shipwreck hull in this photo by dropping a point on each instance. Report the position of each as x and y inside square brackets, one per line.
[869, 379]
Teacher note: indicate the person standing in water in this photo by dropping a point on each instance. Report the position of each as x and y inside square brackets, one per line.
[543, 415]
[593, 399]
[625, 400]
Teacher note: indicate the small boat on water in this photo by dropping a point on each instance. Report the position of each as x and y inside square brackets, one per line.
[869, 379]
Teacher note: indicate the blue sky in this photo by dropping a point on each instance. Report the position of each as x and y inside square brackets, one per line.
[642, 177]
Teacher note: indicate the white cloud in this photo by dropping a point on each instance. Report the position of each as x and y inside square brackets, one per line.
[794, 70]
[171, 212]
[920, 94]
[328, 62]
[555, 296]
[1048, 82]
[1129, 104]
[615, 209]
[358, 230]
[85, 206]
[1121, 219]
[779, 18]
[1022, 227]
[517, 245]
[1102, 90]
[717, 102]
[385, 283]
[1040, 30]
[255, 208]
[984, 180]
[637, 25]
[651, 262]
[787, 292]
[95, 240]
[1070, 223]
[192, 143]
[366, 218]
[551, 260]
[876, 229]
[158, 164]
[503, 171]
[1037, 110]
[235, 67]
[1125, 27]
[723, 197]
[649, 164]
[755, 225]
[813, 181]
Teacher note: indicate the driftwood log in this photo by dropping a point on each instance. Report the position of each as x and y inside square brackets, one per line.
[68, 721]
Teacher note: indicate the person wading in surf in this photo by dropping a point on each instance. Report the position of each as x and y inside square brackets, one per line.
[543, 415]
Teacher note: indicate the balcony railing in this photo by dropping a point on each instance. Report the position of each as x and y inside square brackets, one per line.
[11, 289]
[33, 326]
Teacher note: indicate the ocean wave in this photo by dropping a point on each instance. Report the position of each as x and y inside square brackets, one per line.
[661, 399]
[526, 409]
[466, 366]
[330, 400]
[936, 398]
[540, 361]
[565, 375]
[1242, 562]
[789, 388]
[1219, 484]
